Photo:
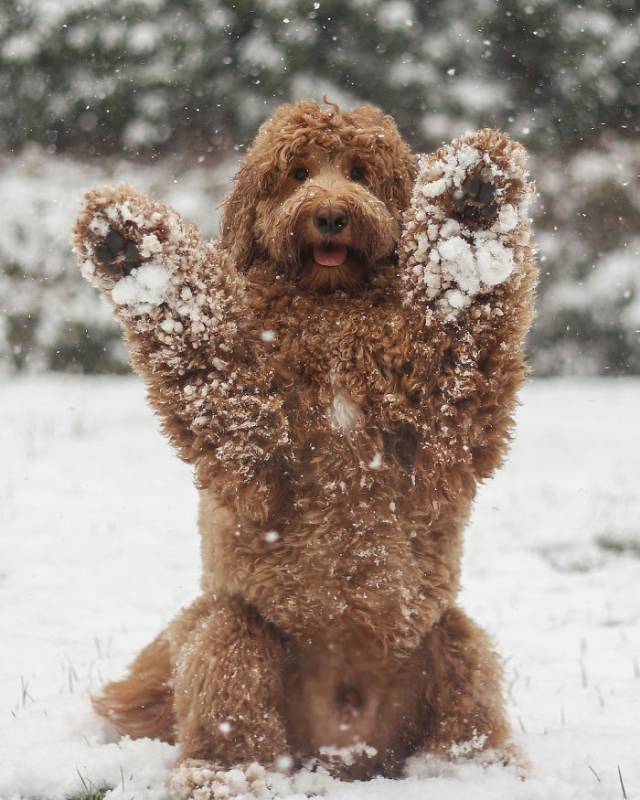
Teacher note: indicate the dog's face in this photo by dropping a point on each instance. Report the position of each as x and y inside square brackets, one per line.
[320, 194]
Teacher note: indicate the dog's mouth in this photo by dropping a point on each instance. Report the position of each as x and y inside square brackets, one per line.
[330, 254]
[331, 265]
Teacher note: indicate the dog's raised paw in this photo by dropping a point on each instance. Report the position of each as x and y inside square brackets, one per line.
[467, 223]
[119, 230]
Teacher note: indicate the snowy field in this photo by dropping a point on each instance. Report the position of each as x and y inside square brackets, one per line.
[98, 549]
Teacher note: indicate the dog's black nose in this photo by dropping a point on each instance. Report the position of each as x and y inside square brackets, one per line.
[330, 219]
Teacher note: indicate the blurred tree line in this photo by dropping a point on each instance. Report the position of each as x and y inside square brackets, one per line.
[150, 79]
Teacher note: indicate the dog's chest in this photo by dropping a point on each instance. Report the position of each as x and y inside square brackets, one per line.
[339, 363]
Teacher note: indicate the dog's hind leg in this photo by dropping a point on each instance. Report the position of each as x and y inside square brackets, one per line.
[462, 693]
[141, 705]
[229, 700]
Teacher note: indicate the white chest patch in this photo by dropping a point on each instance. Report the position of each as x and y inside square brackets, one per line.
[345, 414]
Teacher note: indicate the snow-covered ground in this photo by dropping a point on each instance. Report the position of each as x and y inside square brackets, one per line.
[98, 548]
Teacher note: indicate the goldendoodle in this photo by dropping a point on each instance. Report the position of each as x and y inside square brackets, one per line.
[341, 369]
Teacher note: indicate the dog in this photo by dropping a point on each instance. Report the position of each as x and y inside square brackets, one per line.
[341, 368]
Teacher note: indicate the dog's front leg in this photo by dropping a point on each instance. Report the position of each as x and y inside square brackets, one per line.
[469, 275]
[186, 320]
[228, 697]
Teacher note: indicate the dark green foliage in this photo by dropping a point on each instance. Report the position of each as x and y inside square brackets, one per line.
[612, 544]
[157, 74]
[21, 336]
[87, 350]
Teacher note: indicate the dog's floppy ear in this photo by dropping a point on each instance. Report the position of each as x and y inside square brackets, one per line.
[239, 214]
[255, 178]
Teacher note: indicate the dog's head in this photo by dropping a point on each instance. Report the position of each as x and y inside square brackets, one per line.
[320, 193]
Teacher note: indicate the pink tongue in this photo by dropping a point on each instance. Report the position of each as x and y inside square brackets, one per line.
[330, 255]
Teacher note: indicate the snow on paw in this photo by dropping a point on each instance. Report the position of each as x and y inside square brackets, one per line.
[202, 780]
[467, 223]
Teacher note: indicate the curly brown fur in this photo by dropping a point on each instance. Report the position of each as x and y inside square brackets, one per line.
[339, 419]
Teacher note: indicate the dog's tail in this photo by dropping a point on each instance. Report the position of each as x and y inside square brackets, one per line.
[141, 705]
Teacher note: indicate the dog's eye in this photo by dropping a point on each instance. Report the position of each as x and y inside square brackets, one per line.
[301, 174]
[357, 174]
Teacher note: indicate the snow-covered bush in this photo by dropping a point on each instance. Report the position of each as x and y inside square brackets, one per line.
[99, 75]
[588, 229]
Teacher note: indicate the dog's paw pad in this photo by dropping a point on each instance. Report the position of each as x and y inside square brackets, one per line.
[117, 255]
[474, 202]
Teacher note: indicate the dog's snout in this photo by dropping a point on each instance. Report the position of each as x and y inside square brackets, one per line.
[331, 219]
